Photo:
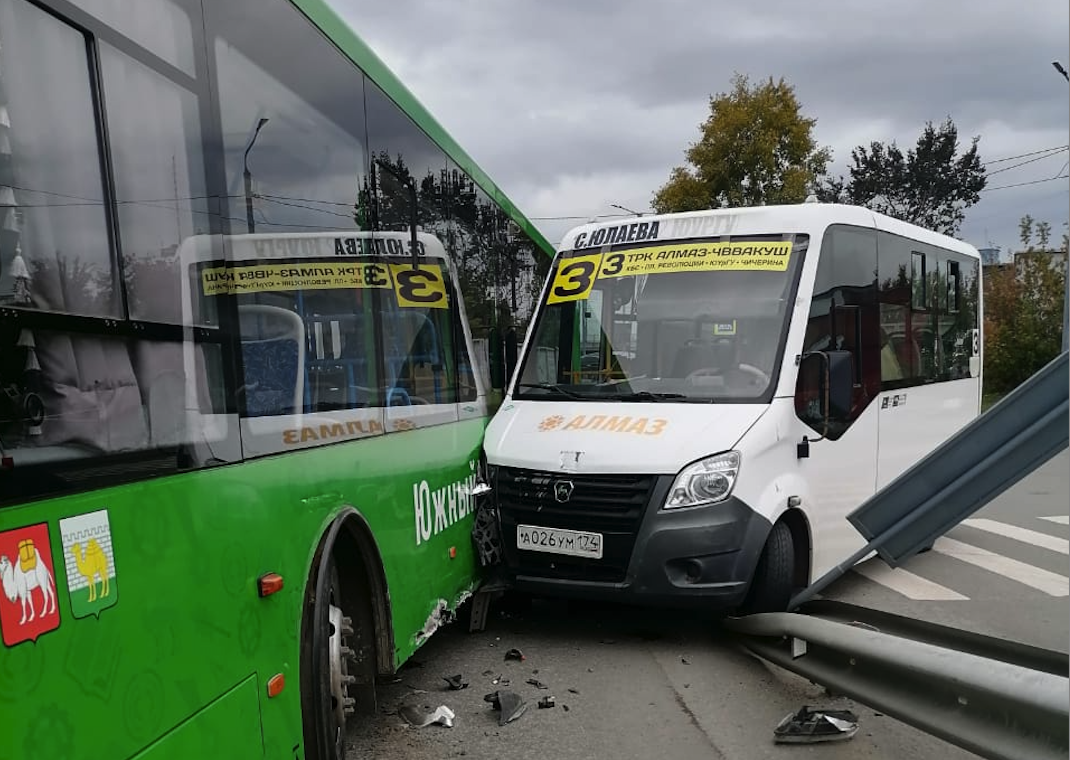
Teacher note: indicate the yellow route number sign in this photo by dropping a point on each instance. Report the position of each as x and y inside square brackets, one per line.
[422, 287]
[576, 276]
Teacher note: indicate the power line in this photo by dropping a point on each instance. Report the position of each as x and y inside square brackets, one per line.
[1029, 161]
[582, 216]
[1023, 184]
[1025, 155]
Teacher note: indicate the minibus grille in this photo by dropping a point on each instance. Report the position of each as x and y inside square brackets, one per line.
[612, 505]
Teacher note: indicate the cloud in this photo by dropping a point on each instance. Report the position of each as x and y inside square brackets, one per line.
[574, 106]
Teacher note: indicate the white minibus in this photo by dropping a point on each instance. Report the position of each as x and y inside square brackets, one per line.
[703, 397]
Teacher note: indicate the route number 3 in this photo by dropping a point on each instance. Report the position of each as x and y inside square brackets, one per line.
[574, 278]
[422, 287]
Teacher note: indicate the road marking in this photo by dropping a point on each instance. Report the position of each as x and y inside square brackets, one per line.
[1050, 583]
[906, 583]
[1024, 535]
[1060, 519]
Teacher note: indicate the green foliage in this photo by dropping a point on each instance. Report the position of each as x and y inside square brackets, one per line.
[755, 148]
[1024, 310]
[931, 186]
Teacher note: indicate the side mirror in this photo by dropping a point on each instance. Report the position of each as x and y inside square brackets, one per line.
[824, 390]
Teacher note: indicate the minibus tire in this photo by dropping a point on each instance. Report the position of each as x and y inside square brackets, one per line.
[771, 587]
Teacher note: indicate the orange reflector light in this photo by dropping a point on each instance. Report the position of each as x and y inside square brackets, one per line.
[269, 583]
[276, 684]
[453, 552]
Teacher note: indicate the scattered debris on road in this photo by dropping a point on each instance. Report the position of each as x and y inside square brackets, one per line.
[456, 683]
[515, 654]
[812, 726]
[546, 702]
[510, 704]
[420, 716]
[537, 683]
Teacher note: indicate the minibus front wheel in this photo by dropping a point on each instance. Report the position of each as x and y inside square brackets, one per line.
[773, 579]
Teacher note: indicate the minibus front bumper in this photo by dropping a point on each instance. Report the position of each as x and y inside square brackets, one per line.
[696, 557]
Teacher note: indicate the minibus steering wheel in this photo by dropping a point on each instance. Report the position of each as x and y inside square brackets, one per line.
[760, 377]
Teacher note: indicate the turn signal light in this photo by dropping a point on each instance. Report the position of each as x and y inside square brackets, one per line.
[268, 584]
[276, 684]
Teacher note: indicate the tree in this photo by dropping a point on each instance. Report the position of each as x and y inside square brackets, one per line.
[931, 186]
[755, 148]
[1024, 309]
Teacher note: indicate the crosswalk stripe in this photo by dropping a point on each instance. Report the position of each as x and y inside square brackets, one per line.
[1050, 583]
[1043, 540]
[906, 583]
[1060, 519]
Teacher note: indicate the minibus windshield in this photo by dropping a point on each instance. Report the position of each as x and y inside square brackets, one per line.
[700, 320]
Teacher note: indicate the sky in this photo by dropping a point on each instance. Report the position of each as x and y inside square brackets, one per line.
[572, 106]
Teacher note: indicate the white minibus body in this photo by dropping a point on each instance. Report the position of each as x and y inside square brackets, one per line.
[703, 397]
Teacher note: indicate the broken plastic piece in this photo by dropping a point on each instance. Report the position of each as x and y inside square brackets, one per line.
[419, 717]
[812, 726]
[511, 705]
[456, 683]
[547, 702]
[537, 683]
[515, 654]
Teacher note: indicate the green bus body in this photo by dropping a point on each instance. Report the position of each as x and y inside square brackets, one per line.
[188, 633]
[139, 565]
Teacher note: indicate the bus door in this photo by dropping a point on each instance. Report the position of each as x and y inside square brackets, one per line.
[842, 464]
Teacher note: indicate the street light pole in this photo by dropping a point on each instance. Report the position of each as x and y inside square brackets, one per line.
[622, 208]
[248, 176]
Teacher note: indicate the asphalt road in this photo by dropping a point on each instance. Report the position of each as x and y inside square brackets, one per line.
[640, 683]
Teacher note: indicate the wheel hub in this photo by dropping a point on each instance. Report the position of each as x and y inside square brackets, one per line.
[340, 654]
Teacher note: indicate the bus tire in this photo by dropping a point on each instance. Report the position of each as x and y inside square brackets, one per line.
[773, 581]
[338, 657]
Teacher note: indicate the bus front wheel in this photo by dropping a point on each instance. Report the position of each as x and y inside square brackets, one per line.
[773, 581]
[336, 668]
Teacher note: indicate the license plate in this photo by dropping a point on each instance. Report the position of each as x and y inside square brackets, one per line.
[577, 543]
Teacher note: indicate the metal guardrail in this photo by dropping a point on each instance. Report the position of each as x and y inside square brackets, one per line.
[981, 461]
[999, 699]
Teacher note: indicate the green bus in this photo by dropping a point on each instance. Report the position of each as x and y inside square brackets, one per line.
[242, 274]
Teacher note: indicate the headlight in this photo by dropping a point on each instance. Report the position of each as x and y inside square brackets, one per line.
[706, 481]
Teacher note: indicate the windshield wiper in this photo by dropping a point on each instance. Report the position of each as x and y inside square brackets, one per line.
[553, 388]
[646, 396]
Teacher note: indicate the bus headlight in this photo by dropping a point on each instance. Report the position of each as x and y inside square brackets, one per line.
[706, 481]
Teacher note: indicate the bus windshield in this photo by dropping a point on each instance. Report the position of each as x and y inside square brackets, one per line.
[701, 320]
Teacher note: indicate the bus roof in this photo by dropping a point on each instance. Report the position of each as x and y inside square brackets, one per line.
[811, 218]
